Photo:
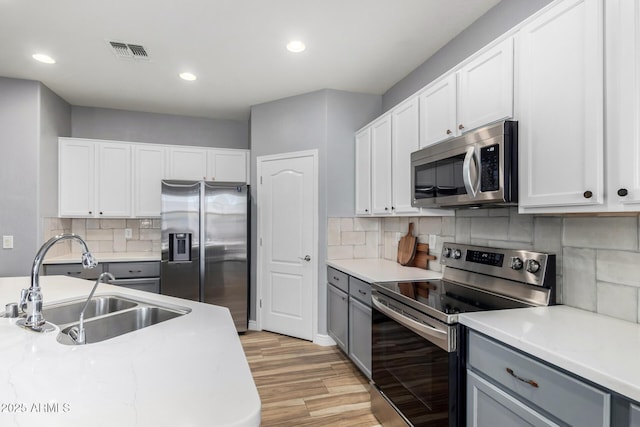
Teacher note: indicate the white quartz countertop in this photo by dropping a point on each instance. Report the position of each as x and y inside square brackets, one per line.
[106, 257]
[373, 270]
[185, 372]
[596, 347]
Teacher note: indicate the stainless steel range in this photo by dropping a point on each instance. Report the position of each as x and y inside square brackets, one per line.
[417, 344]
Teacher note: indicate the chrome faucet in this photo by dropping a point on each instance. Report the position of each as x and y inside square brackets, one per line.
[77, 333]
[31, 299]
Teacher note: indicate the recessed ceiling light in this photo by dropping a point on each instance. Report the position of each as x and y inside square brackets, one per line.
[188, 76]
[43, 58]
[296, 46]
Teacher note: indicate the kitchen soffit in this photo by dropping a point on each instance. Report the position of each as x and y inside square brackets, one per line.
[236, 48]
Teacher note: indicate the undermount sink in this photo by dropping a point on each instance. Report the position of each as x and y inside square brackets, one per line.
[61, 314]
[113, 325]
[108, 316]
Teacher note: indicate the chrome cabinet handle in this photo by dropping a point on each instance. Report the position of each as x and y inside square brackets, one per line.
[460, 126]
[469, 184]
[449, 132]
[306, 258]
[587, 194]
[532, 383]
[622, 192]
[360, 291]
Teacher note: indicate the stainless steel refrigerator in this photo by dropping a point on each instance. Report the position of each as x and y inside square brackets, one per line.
[204, 244]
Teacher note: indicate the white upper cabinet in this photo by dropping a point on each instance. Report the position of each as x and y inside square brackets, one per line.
[559, 106]
[76, 178]
[187, 163]
[94, 178]
[113, 191]
[227, 165]
[438, 111]
[149, 164]
[485, 87]
[623, 104]
[404, 141]
[381, 166]
[478, 93]
[363, 172]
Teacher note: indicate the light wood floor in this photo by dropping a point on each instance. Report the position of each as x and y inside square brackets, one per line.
[303, 384]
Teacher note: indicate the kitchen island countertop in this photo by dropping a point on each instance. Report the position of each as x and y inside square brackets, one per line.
[188, 371]
[599, 348]
[373, 270]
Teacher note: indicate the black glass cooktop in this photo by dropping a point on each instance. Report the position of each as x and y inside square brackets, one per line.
[444, 300]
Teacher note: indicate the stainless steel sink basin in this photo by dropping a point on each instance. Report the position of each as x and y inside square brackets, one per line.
[110, 316]
[103, 328]
[61, 314]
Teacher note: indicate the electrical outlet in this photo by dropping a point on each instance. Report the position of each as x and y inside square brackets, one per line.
[432, 242]
[128, 233]
[7, 242]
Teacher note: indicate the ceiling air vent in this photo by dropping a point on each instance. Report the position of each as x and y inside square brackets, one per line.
[128, 51]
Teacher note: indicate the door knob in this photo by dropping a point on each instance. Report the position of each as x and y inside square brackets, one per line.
[306, 258]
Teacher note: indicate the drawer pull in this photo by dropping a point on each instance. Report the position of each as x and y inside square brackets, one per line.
[135, 271]
[360, 291]
[532, 383]
[73, 273]
[336, 278]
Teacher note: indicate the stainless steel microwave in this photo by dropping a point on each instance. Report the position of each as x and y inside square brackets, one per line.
[477, 169]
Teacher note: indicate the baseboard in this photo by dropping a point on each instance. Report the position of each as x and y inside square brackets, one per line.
[253, 325]
[323, 340]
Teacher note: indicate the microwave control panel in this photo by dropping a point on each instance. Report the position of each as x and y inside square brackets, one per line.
[490, 173]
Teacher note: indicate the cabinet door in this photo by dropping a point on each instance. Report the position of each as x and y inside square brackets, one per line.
[489, 406]
[404, 141]
[560, 106]
[485, 92]
[634, 416]
[360, 335]
[363, 172]
[187, 163]
[76, 178]
[338, 316]
[227, 165]
[381, 166]
[149, 170]
[623, 103]
[114, 180]
[438, 111]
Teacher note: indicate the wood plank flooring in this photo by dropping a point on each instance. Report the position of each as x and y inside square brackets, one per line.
[303, 384]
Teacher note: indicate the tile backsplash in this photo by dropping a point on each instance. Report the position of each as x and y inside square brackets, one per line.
[105, 235]
[597, 257]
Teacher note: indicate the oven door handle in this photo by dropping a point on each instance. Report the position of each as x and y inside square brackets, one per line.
[436, 336]
[469, 184]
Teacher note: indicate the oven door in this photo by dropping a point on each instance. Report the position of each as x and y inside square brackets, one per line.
[415, 365]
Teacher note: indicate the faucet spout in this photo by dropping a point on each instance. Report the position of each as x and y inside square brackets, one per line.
[31, 299]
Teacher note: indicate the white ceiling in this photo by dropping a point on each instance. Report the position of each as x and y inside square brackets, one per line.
[235, 47]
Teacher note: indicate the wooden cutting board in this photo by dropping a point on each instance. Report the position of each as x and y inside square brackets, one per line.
[422, 256]
[407, 247]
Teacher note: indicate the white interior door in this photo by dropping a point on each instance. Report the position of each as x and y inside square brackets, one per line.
[287, 233]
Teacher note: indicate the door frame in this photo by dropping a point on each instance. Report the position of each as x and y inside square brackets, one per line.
[314, 260]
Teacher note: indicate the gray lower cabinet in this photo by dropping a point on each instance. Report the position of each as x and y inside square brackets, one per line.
[634, 415]
[349, 317]
[508, 387]
[144, 276]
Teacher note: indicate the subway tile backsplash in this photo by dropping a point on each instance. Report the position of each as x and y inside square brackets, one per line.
[597, 257]
[105, 235]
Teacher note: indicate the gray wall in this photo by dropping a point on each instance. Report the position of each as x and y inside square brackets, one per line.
[497, 21]
[30, 118]
[323, 120]
[134, 126]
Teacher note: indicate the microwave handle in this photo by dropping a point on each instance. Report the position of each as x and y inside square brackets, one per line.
[472, 187]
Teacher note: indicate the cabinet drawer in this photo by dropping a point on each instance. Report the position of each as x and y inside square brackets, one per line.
[125, 270]
[360, 290]
[338, 279]
[73, 270]
[562, 396]
[148, 285]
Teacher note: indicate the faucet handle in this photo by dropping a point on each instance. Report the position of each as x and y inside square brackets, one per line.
[88, 260]
[23, 299]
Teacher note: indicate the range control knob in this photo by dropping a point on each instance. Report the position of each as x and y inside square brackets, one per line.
[456, 254]
[533, 266]
[516, 263]
[446, 252]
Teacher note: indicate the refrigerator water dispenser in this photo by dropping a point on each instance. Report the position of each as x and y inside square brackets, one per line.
[179, 247]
